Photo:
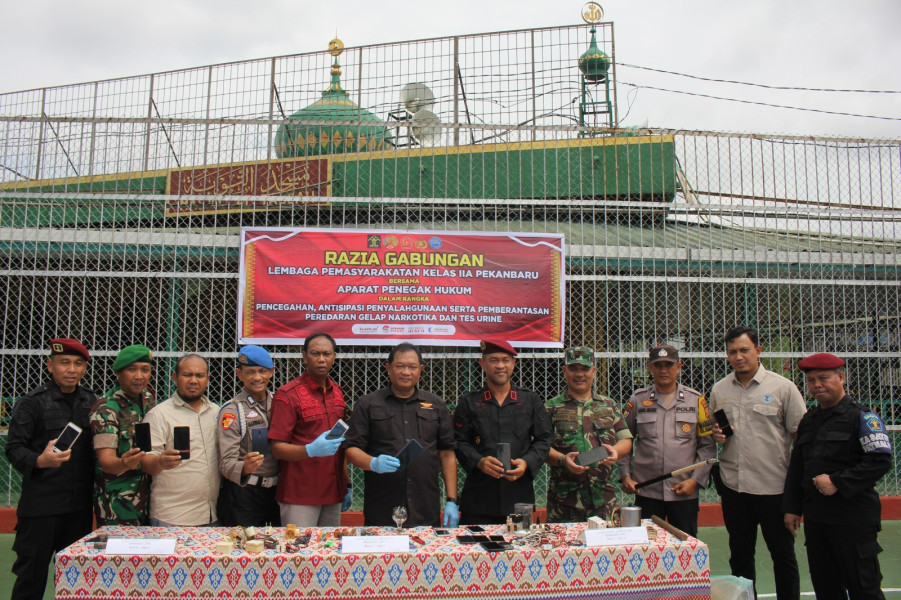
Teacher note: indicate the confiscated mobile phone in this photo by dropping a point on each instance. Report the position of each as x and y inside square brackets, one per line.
[441, 532]
[475, 528]
[181, 441]
[496, 546]
[723, 421]
[503, 455]
[589, 457]
[496, 538]
[259, 439]
[338, 430]
[142, 437]
[409, 452]
[67, 438]
[472, 539]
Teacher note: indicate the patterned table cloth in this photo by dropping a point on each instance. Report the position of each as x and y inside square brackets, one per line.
[438, 567]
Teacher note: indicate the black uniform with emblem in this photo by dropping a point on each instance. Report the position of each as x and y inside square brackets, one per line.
[479, 424]
[247, 500]
[850, 444]
[55, 508]
[382, 423]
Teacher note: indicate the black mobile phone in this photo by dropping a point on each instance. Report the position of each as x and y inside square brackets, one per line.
[181, 441]
[472, 539]
[441, 532]
[67, 438]
[259, 440]
[496, 538]
[589, 457]
[495, 546]
[142, 437]
[723, 421]
[503, 455]
[338, 430]
[409, 452]
[475, 528]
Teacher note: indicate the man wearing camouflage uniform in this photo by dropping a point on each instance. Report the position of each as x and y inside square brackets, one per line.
[121, 487]
[583, 420]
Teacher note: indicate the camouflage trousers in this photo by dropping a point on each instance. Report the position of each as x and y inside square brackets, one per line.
[577, 505]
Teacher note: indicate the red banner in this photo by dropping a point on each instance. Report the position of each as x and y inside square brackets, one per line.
[384, 287]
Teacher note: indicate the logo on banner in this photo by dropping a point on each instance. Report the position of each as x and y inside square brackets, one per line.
[389, 242]
[374, 241]
[435, 242]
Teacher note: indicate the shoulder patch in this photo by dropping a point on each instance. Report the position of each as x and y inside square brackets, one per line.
[705, 423]
[227, 420]
[628, 409]
[873, 436]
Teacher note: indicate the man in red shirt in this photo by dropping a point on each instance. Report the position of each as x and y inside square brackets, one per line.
[312, 485]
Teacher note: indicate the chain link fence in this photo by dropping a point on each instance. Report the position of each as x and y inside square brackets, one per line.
[671, 236]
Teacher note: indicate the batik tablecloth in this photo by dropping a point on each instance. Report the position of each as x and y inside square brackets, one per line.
[437, 568]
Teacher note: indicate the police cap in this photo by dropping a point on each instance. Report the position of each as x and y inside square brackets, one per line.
[254, 356]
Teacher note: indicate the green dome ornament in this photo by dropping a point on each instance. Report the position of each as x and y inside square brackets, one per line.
[594, 63]
[356, 129]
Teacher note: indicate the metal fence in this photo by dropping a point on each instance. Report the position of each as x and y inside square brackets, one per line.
[797, 236]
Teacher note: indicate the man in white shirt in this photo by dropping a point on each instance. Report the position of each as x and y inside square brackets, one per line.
[184, 490]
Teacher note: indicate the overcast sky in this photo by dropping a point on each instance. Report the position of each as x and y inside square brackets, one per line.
[800, 43]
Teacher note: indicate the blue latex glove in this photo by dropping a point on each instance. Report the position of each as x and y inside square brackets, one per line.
[323, 447]
[348, 499]
[384, 464]
[451, 514]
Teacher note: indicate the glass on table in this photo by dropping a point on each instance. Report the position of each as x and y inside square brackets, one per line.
[399, 514]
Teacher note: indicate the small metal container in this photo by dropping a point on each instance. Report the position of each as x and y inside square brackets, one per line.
[630, 516]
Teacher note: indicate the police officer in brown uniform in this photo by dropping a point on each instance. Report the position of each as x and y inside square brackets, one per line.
[247, 496]
[841, 452]
[671, 425]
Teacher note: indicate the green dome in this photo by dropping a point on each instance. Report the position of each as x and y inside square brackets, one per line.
[297, 138]
[593, 62]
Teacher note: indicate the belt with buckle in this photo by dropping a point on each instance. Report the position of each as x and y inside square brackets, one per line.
[263, 482]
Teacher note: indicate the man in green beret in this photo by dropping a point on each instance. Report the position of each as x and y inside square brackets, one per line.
[122, 488]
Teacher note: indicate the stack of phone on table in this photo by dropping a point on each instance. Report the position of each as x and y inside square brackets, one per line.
[338, 430]
[67, 438]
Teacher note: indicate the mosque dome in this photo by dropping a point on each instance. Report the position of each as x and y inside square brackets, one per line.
[594, 63]
[355, 129]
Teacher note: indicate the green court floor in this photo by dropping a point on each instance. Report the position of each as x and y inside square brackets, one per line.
[714, 537]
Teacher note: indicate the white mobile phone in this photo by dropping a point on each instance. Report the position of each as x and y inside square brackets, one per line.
[338, 430]
[67, 438]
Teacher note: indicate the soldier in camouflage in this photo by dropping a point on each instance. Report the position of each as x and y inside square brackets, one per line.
[583, 420]
[122, 489]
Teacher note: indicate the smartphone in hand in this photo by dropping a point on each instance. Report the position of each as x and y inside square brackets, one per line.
[67, 438]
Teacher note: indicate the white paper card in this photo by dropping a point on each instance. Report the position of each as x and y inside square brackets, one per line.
[375, 544]
[616, 536]
[129, 546]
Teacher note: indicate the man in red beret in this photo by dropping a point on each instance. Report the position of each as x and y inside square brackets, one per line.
[499, 413]
[55, 506]
[842, 451]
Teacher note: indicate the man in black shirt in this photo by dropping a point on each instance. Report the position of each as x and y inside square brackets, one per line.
[381, 424]
[55, 506]
[499, 412]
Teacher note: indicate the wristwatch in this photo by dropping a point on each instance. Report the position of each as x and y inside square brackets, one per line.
[451, 499]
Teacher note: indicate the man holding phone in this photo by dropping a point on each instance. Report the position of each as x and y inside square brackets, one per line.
[582, 421]
[312, 486]
[122, 488]
[499, 413]
[185, 485]
[55, 506]
[764, 410]
[401, 436]
[249, 470]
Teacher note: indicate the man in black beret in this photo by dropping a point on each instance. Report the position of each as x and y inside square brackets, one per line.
[842, 450]
[55, 506]
[499, 413]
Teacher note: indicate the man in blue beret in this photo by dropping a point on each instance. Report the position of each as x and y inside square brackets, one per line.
[841, 452]
[55, 506]
[122, 488]
[249, 469]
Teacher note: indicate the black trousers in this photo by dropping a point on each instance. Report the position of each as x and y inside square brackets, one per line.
[843, 557]
[742, 514]
[248, 506]
[682, 514]
[37, 539]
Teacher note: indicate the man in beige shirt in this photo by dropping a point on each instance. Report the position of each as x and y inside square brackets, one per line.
[764, 410]
[184, 491]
